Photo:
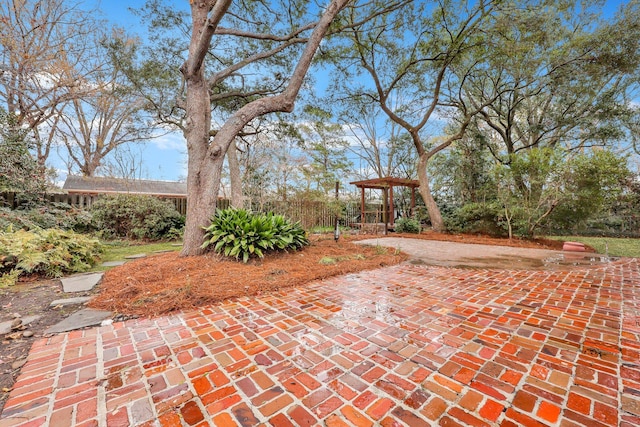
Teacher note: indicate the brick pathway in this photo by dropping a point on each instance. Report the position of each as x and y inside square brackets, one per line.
[406, 345]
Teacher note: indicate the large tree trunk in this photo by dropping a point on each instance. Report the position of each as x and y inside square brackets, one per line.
[237, 199]
[437, 223]
[88, 168]
[203, 184]
[202, 188]
[203, 171]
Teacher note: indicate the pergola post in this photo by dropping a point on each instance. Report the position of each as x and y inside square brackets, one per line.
[413, 200]
[391, 205]
[385, 209]
[362, 207]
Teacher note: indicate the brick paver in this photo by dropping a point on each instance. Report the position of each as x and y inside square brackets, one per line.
[406, 345]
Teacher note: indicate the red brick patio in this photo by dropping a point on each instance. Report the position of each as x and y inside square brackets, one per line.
[402, 346]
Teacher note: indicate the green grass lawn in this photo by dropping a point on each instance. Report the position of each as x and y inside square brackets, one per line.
[118, 250]
[607, 245]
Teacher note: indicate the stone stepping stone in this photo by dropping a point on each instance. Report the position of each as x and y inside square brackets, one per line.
[80, 283]
[69, 301]
[78, 320]
[5, 327]
[135, 256]
[112, 263]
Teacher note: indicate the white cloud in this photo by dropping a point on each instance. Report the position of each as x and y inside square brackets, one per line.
[169, 141]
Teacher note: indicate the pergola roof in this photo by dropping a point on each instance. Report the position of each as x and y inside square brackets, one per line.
[381, 183]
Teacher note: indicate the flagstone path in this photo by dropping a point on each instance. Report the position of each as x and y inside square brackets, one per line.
[409, 345]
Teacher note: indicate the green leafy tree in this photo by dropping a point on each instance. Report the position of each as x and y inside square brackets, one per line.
[530, 188]
[19, 170]
[545, 186]
[569, 77]
[595, 184]
[566, 80]
[229, 42]
[463, 173]
[418, 59]
[244, 60]
[324, 145]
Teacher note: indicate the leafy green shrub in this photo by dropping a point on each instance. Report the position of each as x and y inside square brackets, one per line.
[241, 234]
[408, 225]
[136, 217]
[485, 218]
[51, 252]
[52, 215]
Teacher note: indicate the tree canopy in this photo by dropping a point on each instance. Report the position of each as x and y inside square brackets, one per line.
[499, 103]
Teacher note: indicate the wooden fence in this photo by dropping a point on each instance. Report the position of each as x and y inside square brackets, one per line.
[319, 214]
[310, 214]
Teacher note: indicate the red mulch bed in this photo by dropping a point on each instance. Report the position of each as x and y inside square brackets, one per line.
[167, 282]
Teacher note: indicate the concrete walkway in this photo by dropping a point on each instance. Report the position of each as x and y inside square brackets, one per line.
[409, 345]
[455, 254]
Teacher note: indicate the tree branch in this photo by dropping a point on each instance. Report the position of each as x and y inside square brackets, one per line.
[196, 58]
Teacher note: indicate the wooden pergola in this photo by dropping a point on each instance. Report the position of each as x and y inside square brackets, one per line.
[386, 184]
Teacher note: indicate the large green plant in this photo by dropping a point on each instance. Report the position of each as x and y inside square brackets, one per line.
[136, 217]
[241, 234]
[485, 218]
[543, 187]
[50, 252]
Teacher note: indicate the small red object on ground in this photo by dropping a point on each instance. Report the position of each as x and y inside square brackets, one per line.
[573, 247]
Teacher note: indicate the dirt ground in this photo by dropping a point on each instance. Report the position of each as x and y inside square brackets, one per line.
[166, 282]
[27, 298]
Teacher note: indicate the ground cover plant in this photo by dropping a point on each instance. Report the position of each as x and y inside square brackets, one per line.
[51, 253]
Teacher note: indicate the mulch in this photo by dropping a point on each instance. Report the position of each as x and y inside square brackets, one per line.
[168, 282]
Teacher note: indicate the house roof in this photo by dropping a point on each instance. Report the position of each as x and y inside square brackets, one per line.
[100, 185]
[386, 183]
